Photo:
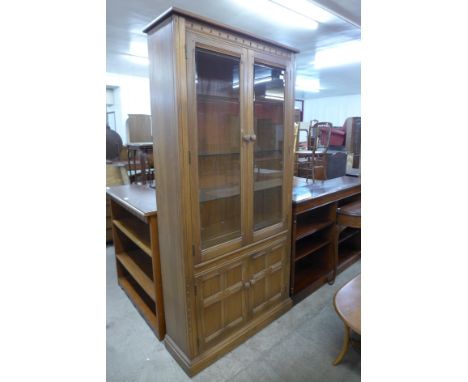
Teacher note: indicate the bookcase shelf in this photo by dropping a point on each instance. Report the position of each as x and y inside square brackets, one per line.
[135, 233]
[310, 247]
[138, 274]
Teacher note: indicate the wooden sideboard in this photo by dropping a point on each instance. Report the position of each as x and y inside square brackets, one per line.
[136, 241]
[318, 252]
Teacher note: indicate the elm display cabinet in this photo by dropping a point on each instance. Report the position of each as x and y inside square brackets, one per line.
[222, 106]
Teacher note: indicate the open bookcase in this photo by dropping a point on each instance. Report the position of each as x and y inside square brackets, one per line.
[135, 235]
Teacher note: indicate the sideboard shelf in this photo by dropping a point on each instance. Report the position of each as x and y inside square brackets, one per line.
[318, 252]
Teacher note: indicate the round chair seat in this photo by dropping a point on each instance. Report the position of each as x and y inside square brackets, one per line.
[349, 215]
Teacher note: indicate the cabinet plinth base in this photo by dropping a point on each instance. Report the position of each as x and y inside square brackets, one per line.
[194, 366]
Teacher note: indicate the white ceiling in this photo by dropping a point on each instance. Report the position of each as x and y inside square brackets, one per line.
[126, 44]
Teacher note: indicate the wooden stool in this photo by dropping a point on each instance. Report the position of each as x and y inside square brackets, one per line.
[349, 215]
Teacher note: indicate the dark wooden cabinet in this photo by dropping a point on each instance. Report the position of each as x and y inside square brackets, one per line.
[318, 250]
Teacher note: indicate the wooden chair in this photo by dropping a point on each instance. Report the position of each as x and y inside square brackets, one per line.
[300, 145]
[318, 139]
[146, 166]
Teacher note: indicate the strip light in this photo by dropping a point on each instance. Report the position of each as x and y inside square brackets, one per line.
[278, 13]
[338, 55]
[308, 84]
[235, 84]
[307, 9]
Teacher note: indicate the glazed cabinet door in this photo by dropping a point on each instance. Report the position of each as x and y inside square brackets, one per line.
[267, 278]
[272, 133]
[221, 303]
[216, 108]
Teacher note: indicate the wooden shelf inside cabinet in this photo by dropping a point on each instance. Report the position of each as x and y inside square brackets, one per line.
[310, 271]
[309, 247]
[348, 233]
[349, 249]
[134, 235]
[139, 303]
[140, 277]
[216, 98]
[306, 230]
[207, 195]
[214, 154]
[136, 242]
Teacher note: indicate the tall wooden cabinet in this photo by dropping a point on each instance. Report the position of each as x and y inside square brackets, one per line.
[222, 109]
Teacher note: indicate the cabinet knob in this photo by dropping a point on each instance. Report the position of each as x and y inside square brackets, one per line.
[247, 284]
[246, 138]
[253, 137]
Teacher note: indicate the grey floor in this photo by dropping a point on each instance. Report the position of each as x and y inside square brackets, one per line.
[299, 346]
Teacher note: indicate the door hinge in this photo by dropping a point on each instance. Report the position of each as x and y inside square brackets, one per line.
[193, 250]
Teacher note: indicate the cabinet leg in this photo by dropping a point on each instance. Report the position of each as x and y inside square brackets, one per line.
[345, 347]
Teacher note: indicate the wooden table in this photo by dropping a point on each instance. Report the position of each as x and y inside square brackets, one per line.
[315, 258]
[135, 233]
[347, 304]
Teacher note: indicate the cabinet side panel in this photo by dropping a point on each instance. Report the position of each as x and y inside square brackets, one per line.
[166, 135]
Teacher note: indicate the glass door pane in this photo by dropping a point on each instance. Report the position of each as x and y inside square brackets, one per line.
[218, 110]
[268, 149]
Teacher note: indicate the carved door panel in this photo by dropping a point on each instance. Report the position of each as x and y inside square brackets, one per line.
[268, 277]
[221, 303]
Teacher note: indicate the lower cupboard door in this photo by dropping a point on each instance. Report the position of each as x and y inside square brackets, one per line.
[268, 278]
[221, 304]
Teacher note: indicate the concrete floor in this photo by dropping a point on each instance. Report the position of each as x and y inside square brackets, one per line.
[299, 346]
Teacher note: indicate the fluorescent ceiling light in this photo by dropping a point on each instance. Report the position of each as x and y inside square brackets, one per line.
[274, 98]
[338, 55]
[235, 84]
[279, 96]
[138, 48]
[262, 80]
[137, 60]
[308, 84]
[278, 13]
[307, 9]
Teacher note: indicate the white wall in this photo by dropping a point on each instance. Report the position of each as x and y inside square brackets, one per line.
[131, 96]
[332, 109]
